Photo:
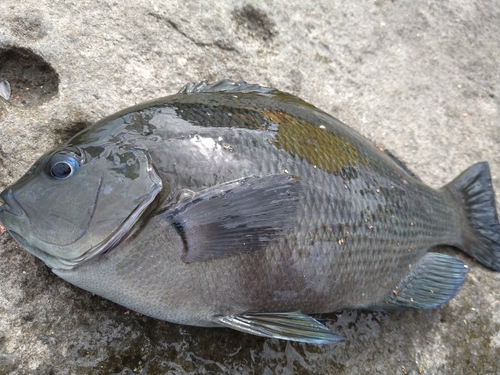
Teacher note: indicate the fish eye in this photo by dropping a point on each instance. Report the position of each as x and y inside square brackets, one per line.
[62, 166]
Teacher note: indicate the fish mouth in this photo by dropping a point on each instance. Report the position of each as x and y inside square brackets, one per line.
[10, 204]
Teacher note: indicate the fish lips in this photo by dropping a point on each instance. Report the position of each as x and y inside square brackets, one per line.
[10, 203]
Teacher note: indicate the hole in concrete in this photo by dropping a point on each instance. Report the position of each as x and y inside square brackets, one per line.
[32, 80]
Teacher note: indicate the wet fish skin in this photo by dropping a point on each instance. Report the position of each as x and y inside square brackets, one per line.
[348, 224]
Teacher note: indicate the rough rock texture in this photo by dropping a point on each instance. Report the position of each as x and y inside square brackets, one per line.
[420, 78]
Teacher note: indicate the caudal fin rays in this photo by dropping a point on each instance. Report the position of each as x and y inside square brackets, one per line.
[481, 233]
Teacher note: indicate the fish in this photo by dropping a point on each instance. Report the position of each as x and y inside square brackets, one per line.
[236, 205]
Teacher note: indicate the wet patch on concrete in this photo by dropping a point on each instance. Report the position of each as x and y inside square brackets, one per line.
[255, 23]
[63, 133]
[29, 27]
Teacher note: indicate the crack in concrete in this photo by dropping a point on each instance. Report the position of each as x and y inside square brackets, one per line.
[175, 26]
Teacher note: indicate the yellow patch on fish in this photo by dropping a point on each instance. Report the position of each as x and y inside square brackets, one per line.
[326, 151]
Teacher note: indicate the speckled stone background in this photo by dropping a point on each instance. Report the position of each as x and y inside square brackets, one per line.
[421, 78]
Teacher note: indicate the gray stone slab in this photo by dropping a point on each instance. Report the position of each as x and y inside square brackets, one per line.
[420, 78]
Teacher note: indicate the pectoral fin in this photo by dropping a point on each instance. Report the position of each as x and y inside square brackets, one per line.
[293, 326]
[434, 280]
[236, 217]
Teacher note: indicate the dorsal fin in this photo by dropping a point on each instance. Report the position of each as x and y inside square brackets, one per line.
[226, 85]
[241, 87]
[400, 163]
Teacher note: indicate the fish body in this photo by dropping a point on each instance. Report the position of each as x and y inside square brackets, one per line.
[236, 205]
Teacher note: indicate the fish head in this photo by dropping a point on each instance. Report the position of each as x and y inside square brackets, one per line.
[77, 202]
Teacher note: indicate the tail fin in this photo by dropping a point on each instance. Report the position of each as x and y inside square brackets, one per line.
[473, 190]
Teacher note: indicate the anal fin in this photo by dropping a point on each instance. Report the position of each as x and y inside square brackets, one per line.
[434, 280]
[293, 326]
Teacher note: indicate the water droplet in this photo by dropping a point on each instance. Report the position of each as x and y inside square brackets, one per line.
[184, 195]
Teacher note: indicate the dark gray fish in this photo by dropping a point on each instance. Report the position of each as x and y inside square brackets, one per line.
[237, 205]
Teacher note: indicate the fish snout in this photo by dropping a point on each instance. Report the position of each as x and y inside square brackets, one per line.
[10, 203]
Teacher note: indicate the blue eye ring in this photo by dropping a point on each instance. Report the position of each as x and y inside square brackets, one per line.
[63, 165]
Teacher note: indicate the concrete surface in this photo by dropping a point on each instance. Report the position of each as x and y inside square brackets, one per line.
[421, 78]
